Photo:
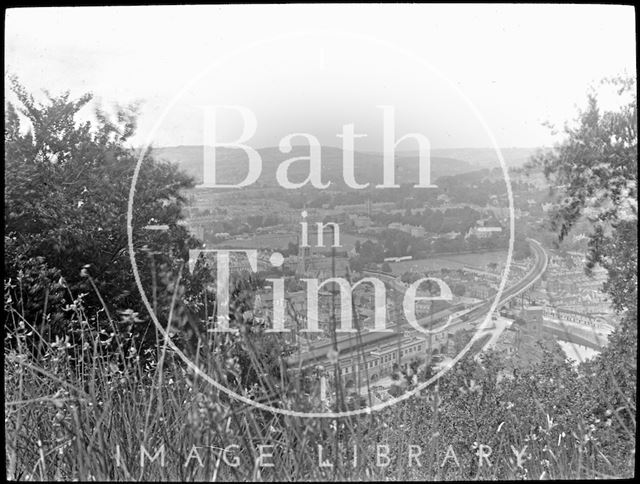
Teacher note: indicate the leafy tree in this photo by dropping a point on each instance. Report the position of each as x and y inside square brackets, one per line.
[66, 191]
[595, 175]
[356, 263]
[66, 248]
[410, 277]
[292, 248]
[459, 290]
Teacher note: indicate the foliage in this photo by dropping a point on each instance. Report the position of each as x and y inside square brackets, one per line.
[594, 172]
[66, 193]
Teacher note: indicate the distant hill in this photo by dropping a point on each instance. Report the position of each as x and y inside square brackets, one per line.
[232, 164]
[486, 157]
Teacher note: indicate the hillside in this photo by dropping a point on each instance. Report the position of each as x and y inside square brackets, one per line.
[232, 164]
[486, 157]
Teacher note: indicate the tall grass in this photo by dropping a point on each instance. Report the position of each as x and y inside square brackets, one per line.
[85, 407]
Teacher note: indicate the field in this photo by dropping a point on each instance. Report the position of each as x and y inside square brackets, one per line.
[475, 261]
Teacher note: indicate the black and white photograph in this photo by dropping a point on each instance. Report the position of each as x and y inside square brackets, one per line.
[320, 242]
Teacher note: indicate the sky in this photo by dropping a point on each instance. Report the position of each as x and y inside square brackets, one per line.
[461, 75]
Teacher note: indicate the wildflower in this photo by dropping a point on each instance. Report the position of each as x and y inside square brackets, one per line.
[130, 316]
[58, 403]
[60, 343]
[561, 436]
[550, 423]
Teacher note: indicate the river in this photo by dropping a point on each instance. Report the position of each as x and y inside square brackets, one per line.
[577, 353]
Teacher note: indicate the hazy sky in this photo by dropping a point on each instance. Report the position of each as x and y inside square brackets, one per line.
[310, 68]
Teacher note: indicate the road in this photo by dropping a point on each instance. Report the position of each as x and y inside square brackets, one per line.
[533, 276]
[361, 341]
